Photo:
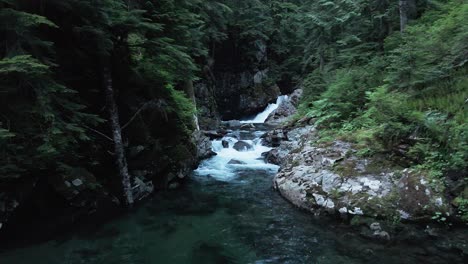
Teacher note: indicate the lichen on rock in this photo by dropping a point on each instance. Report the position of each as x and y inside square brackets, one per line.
[332, 179]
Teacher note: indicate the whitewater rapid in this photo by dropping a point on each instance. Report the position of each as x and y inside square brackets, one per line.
[218, 166]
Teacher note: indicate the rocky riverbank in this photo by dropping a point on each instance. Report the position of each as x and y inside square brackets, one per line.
[330, 178]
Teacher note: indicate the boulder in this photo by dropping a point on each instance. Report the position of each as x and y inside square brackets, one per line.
[332, 179]
[213, 134]
[286, 108]
[225, 143]
[203, 144]
[232, 123]
[248, 126]
[272, 156]
[236, 162]
[273, 137]
[242, 146]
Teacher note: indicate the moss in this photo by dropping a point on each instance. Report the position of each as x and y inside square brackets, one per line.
[346, 168]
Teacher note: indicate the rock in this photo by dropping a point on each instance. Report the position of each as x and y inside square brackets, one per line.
[77, 182]
[375, 226]
[232, 123]
[212, 134]
[236, 162]
[142, 189]
[343, 210]
[286, 108]
[207, 111]
[225, 143]
[272, 156]
[296, 96]
[242, 146]
[243, 93]
[318, 178]
[273, 138]
[203, 145]
[383, 235]
[247, 126]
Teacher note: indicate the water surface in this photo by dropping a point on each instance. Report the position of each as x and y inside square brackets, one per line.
[226, 214]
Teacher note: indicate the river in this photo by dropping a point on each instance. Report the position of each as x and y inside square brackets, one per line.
[226, 213]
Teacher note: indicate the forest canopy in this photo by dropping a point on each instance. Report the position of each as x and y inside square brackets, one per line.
[389, 76]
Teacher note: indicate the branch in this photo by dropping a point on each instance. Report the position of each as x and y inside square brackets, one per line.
[155, 103]
[134, 116]
[99, 133]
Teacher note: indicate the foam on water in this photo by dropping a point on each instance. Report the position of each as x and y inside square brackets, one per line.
[251, 159]
[219, 168]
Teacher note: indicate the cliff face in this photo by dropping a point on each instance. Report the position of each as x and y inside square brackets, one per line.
[235, 84]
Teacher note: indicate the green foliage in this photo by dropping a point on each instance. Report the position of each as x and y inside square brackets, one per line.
[403, 94]
[462, 205]
[51, 66]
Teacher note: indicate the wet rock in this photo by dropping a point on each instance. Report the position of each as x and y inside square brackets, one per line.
[274, 138]
[236, 162]
[286, 108]
[272, 156]
[225, 143]
[232, 123]
[213, 134]
[242, 146]
[248, 126]
[203, 145]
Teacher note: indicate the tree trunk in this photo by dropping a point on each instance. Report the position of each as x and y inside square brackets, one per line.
[121, 161]
[404, 8]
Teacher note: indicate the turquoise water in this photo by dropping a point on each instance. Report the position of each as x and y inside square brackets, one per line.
[236, 219]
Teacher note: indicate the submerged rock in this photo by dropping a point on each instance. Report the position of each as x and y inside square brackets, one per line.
[236, 162]
[248, 126]
[242, 146]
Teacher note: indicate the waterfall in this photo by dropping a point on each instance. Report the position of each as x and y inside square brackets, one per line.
[261, 117]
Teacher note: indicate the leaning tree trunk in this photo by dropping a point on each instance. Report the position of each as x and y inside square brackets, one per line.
[404, 8]
[121, 161]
